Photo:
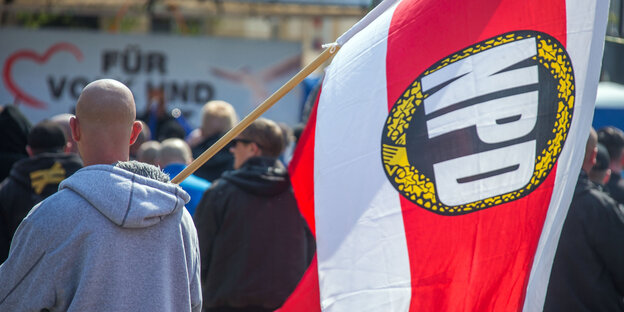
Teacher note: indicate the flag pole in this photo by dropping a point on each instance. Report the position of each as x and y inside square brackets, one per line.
[261, 109]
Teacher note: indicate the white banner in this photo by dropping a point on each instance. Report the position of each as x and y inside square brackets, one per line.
[44, 71]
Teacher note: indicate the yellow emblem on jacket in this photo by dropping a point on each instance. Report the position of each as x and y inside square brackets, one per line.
[41, 178]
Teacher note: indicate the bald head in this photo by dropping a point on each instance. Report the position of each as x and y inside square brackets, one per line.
[107, 103]
[105, 125]
[175, 151]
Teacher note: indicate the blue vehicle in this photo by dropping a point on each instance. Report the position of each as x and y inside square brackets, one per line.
[609, 109]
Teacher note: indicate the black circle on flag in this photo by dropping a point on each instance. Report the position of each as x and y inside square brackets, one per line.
[483, 126]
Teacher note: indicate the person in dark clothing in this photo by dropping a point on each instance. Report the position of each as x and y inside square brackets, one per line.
[218, 117]
[116, 236]
[14, 128]
[587, 272]
[600, 172]
[35, 178]
[254, 243]
[161, 122]
[613, 139]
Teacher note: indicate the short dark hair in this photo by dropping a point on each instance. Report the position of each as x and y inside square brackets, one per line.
[613, 139]
[602, 158]
[46, 136]
[267, 135]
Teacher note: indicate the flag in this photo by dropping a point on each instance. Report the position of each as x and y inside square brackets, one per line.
[438, 165]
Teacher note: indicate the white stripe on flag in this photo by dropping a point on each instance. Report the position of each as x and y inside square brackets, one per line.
[585, 50]
[362, 250]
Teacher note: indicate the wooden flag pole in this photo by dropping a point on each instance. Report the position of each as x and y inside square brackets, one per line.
[234, 132]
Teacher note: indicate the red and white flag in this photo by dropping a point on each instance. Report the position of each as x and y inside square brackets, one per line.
[440, 161]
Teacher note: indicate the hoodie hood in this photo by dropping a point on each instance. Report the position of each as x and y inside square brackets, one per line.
[127, 199]
[43, 173]
[262, 176]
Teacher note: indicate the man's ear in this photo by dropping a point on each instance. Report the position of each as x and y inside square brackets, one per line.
[29, 151]
[137, 127]
[256, 151]
[75, 128]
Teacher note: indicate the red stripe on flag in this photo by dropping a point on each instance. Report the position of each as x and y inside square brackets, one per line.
[306, 297]
[479, 261]
[301, 169]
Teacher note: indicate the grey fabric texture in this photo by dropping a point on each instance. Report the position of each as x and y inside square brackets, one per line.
[109, 240]
[143, 169]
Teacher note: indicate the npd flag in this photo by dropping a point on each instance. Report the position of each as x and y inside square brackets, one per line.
[441, 159]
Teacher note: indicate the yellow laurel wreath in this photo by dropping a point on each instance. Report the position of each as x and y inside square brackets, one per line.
[419, 188]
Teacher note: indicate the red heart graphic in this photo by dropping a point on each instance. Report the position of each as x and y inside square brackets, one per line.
[39, 59]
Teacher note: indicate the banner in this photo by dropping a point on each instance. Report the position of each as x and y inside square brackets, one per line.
[443, 154]
[44, 71]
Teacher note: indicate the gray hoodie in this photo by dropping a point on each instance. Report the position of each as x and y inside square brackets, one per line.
[109, 240]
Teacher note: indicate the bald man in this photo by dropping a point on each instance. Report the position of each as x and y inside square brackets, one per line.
[587, 272]
[174, 155]
[115, 237]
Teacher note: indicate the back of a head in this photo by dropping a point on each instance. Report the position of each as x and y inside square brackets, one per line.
[600, 169]
[174, 150]
[14, 127]
[149, 152]
[217, 117]
[613, 139]
[46, 137]
[105, 115]
[267, 135]
[602, 158]
[63, 121]
[106, 103]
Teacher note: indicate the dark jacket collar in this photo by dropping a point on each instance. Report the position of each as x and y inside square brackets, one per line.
[263, 176]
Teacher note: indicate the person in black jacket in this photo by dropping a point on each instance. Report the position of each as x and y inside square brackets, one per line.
[613, 139]
[254, 243]
[588, 270]
[218, 117]
[14, 128]
[600, 173]
[33, 179]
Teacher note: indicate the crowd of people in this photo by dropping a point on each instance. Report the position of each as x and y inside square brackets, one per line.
[587, 272]
[89, 219]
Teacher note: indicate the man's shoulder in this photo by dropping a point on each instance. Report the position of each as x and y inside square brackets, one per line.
[615, 185]
[61, 205]
[220, 185]
[221, 191]
[188, 226]
[593, 203]
[196, 182]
